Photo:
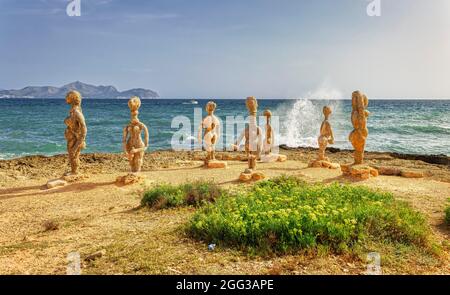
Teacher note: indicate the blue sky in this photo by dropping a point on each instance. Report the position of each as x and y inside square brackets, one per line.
[232, 48]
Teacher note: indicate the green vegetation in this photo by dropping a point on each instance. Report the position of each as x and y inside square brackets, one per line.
[286, 214]
[447, 213]
[189, 194]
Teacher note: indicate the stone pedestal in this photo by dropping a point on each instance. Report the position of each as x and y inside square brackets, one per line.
[360, 172]
[271, 158]
[214, 164]
[130, 178]
[56, 183]
[323, 164]
[247, 176]
[64, 180]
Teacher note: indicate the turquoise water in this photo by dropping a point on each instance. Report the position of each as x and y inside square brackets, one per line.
[35, 127]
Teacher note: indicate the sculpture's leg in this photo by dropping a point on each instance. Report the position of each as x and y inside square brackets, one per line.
[359, 156]
[322, 149]
[74, 157]
[252, 161]
[137, 161]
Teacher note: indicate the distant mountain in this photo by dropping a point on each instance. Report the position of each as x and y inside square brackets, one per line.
[86, 90]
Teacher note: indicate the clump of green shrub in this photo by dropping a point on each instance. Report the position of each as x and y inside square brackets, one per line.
[189, 194]
[286, 214]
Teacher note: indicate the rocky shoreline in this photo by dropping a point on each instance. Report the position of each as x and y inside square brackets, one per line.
[38, 167]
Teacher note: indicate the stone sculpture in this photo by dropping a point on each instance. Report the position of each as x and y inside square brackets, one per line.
[211, 125]
[75, 135]
[269, 141]
[76, 131]
[358, 138]
[133, 145]
[359, 121]
[253, 141]
[326, 137]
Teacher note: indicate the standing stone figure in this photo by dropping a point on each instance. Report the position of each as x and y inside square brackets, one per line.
[326, 137]
[358, 137]
[253, 141]
[326, 134]
[133, 145]
[269, 141]
[76, 131]
[359, 121]
[211, 125]
[270, 136]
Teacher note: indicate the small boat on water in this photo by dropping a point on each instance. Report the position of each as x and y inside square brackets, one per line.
[192, 101]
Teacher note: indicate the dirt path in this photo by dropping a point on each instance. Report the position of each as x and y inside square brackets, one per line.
[97, 214]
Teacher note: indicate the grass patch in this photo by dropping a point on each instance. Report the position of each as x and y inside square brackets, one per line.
[190, 194]
[286, 214]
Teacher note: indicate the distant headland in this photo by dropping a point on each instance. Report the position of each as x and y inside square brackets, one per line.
[87, 90]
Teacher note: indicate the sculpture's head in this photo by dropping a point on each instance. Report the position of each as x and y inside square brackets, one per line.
[366, 101]
[268, 114]
[252, 105]
[73, 97]
[358, 100]
[210, 107]
[134, 104]
[326, 111]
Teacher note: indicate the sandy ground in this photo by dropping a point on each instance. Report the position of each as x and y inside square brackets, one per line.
[96, 214]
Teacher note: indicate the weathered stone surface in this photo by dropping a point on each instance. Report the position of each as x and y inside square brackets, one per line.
[282, 158]
[335, 166]
[258, 176]
[245, 177]
[361, 172]
[130, 178]
[133, 145]
[323, 164]
[217, 164]
[384, 170]
[74, 178]
[359, 121]
[76, 130]
[412, 174]
[56, 183]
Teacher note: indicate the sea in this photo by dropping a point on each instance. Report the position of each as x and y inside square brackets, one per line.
[36, 126]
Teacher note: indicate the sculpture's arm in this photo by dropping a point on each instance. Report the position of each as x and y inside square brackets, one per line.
[83, 129]
[200, 133]
[238, 141]
[272, 143]
[124, 140]
[146, 136]
[330, 132]
[260, 141]
[218, 130]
